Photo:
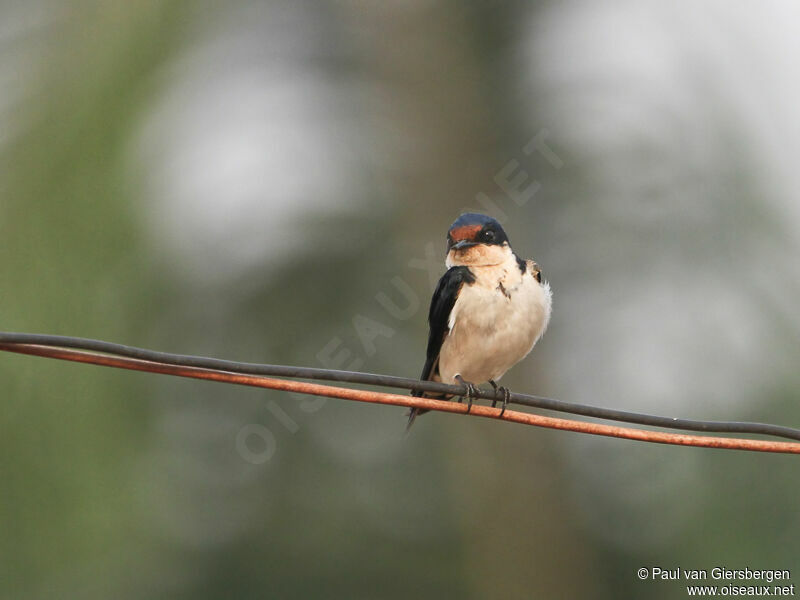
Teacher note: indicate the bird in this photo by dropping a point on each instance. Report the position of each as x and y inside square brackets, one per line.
[487, 312]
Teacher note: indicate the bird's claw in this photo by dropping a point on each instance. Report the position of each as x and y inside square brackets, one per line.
[506, 397]
[506, 400]
[472, 391]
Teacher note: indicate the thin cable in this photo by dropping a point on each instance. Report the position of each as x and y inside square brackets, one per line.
[345, 393]
[58, 341]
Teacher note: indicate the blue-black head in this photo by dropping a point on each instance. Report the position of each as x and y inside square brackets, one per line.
[471, 229]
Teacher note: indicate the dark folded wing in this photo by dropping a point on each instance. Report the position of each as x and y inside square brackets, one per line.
[444, 298]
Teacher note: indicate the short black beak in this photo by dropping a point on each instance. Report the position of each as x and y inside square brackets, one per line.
[461, 244]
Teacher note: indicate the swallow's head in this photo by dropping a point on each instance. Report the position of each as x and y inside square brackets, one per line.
[475, 239]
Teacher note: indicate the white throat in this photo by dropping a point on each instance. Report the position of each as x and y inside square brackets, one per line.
[482, 255]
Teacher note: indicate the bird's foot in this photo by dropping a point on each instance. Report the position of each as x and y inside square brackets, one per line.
[472, 391]
[506, 396]
[495, 387]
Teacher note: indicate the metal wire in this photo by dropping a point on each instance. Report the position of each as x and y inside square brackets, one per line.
[57, 341]
[371, 396]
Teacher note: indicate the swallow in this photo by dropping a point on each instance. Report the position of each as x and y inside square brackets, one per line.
[488, 310]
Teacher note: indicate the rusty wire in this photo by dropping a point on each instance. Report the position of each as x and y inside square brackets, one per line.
[226, 376]
[295, 372]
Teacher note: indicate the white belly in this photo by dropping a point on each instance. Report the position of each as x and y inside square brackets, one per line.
[491, 331]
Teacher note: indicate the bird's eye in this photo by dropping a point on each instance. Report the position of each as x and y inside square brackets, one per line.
[488, 235]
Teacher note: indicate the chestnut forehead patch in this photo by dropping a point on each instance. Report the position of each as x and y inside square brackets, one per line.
[465, 232]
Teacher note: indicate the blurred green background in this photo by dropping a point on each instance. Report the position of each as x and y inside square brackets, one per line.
[272, 182]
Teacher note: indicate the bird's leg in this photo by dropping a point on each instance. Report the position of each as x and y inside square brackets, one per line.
[506, 396]
[472, 391]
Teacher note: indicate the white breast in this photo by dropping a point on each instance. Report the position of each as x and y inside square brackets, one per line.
[494, 324]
